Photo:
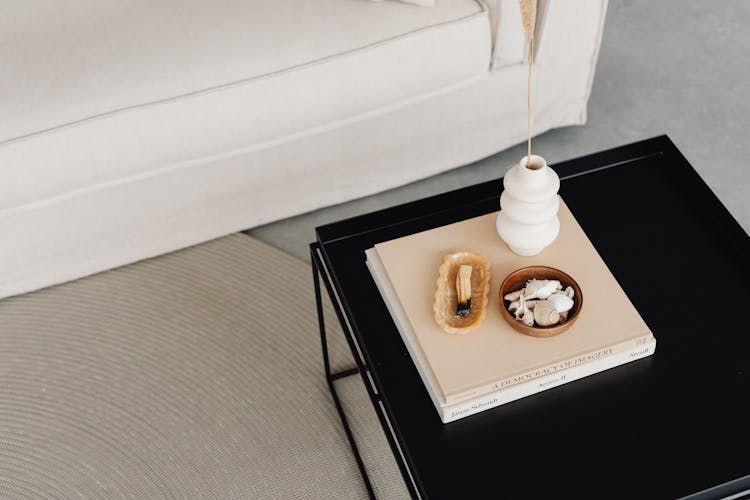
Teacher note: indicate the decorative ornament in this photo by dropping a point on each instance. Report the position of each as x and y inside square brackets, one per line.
[528, 205]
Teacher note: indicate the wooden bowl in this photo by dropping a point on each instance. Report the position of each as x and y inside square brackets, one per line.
[517, 280]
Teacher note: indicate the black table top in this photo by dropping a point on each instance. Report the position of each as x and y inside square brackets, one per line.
[665, 426]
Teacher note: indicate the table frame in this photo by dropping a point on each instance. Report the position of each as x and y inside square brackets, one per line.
[320, 273]
[486, 196]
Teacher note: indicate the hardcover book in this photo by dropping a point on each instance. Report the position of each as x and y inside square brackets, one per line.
[495, 364]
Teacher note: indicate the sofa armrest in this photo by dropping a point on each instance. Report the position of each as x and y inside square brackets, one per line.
[508, 44]
[566, 30]
[567, 40]
[569, 30]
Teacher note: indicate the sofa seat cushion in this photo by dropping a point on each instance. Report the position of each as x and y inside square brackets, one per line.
[95, 93]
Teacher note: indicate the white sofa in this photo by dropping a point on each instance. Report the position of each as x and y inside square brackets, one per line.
[130, 128]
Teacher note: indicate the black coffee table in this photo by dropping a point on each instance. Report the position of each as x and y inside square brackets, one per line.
[671, 425]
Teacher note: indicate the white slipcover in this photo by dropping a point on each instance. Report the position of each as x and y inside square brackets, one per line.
[131, 128]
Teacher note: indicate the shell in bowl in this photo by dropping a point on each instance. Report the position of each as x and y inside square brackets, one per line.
[518, 279]
[446, 300]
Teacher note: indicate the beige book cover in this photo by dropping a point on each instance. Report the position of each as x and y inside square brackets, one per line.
[464, 365]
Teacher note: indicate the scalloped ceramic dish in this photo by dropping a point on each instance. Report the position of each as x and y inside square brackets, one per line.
[445, 295]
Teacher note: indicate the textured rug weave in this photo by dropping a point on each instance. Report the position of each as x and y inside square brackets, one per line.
[193, 375]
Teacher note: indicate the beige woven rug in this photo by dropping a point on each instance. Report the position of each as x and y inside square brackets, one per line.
[193, 375]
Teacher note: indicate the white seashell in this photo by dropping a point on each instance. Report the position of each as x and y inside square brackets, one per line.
[561, 302]
[515, 305]
[545, 314]
[570, 292]
[513, 296]
[521, 307]
[528, 317]
[524, 313]
[540, 289]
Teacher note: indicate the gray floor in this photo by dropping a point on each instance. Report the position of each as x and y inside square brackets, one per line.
[680, 67]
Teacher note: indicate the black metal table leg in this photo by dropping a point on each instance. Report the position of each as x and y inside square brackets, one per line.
[319, 272]
[331, 377]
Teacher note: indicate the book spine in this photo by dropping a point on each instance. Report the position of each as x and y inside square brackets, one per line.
[450, 413]
[550, 369]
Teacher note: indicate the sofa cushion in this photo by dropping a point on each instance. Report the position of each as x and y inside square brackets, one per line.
[132, 128]
[99, 92]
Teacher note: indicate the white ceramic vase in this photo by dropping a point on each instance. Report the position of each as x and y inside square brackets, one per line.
[528, 206]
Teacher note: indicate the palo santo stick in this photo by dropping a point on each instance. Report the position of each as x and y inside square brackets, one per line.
[463, 291]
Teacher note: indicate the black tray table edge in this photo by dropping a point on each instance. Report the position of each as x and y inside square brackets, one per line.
[485, 198]
[346, 228]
